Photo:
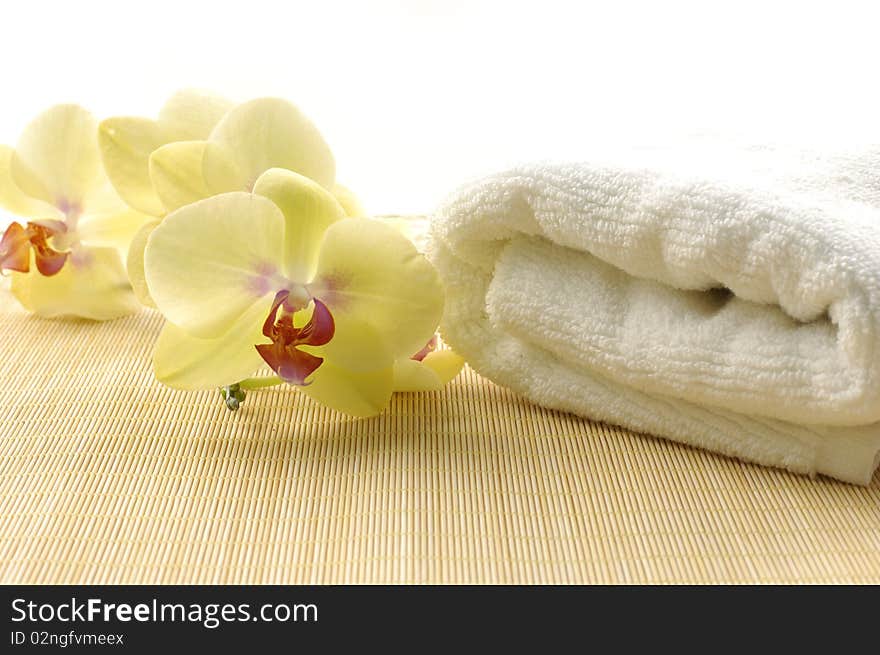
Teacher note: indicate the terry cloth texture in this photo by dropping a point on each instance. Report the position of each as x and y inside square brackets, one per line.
[108, 477]
[727, 298]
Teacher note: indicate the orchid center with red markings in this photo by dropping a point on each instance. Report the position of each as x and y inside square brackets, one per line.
[18, 242]
[284, 355]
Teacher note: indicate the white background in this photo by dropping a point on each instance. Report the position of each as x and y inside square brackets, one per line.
[414, 97]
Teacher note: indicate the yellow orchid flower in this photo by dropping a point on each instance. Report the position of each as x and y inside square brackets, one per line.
[251, 138]
[201, 146]
[66, 259]
[127, 142]
[281, 276]
[150, 167]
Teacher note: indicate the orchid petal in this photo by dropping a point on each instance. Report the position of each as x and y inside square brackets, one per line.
[107, 221]
[176, 174]
[57, 158]
[410, 375]
[190, 115]
[446, 364]
[308, 210]
[430, 374]
[16, 201]
[134, 264]
[349, 201]
[185, 362]
[369, 272]
[113, 229]
[262, 134]
[356, 393]
[356, 346]
[92, 284]
[221, 172]
[414, 228]
[209, 263]
[126, 144]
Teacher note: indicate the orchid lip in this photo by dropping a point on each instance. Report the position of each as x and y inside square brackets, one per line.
[283, 355]
[18, 241]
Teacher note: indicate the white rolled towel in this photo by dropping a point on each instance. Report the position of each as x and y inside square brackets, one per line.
[723, 297]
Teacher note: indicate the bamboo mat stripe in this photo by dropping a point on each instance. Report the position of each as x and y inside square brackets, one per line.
[107, 477]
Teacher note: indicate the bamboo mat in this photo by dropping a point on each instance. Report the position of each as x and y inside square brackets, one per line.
[106, 477]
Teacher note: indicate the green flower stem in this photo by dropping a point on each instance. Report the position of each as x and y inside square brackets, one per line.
[249, 384]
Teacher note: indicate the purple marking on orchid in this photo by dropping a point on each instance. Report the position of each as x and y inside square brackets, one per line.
[266, 269]
[266, 277]
[327, 288]
[69, 209]
[80, 258]
[258, 285]
[283, 355]
[72, 212]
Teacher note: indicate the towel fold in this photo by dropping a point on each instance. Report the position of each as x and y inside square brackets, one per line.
[723, 297]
